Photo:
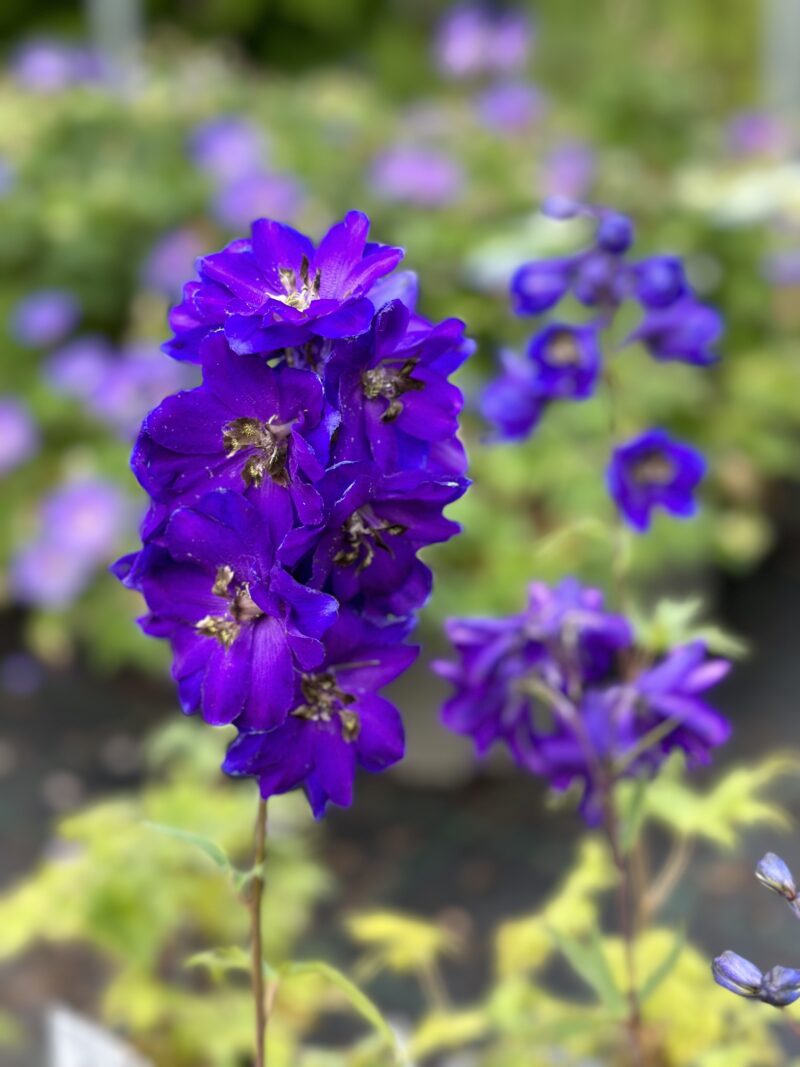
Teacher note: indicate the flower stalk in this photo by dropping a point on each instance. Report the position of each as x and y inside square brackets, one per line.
[255, 901]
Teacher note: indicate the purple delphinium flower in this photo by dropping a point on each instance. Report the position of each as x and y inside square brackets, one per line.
[228, 147]
[567, 361]
[779, 987]
[774, 873]
[295, 486]
[49, 65]
[568, 171]
[757, 133]
[338, 722]
[653, 470]
[422, 176]
[238, 622]
[684, 331]
[47, 574]
[19, 435]
[44, 317]
[86, 517]
[277, 290]
[252, 196]
[559, 685]
[171, 260]
[510, 107]
[511, 402]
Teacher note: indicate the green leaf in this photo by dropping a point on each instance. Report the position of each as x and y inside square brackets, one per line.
[210, 848]
[632, 812]
[588, 960]
[359, 1000]
[664, 968]
[221, 961]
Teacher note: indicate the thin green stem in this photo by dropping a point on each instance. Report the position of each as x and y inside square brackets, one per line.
[255, 900]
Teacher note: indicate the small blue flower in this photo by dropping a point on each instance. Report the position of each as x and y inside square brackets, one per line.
[538, 286]
[772, 872]
[735, 973]
[780, 986]
[660, 281]
[615, 233]
[653, 470]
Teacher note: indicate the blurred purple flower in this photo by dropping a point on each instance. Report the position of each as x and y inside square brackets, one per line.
[171, 260]
[228, 148]
[44, 317]
[132, 383]
[758, 133]
[782, 268]
[653, 470]
[568, 171]
[255, 196]
[85, 517]
[510, 107]
[50, 65]
[47, 574]
[79, 367]
[422, 176]
[473, 40]
[19, 435]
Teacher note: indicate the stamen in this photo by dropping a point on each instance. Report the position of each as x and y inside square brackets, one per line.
[563, 351]
[363, 534]
[325, 701]
[269, 442]
[391, 384]
[220, 627]
[654, 468]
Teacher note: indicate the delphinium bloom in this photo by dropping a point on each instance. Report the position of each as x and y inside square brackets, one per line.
[171, 259]
[80, 527]
[228, 147]
[758, 134]
[473, 40]
[44, 318]
[423, 176]
[252, 195]
[50, 65]
[564, 687]
[19, 435]
[654, 471]
[510, 107]
[779, 986]
[567, 171]
[291, 493]
[568, 360]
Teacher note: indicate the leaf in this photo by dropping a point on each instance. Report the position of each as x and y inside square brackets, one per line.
[632, 812]
[589, 961]
[441, 1031]
[210, 848]
[664, 968]
[401, 943]
[358, 999]
[221, 961]
[675, 622]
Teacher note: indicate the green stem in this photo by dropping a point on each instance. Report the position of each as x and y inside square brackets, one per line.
[257, 948]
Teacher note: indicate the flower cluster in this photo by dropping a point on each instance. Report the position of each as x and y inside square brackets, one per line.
[473, 40]
[566, 361]
[291, 492]
[779, 986]
[565, 688]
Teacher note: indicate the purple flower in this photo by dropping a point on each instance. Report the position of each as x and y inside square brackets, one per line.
[421, 176]
[252, 196]
[568, 171]
[653, 470]
[238, 622]
[685, 331]
[86, 517]
[19, 435]
[47, 574]
[44, 318]
[472, 40]
[248, 427]
[567, 361]
[277, 290]
[773, 873]
[171, 259]
[779, 987]
[48, 65]
[228, 148]
[536, 287]
[366, 550]
[660, 281]
[510, 107]
[390, 384]
[758, 133]
[79, 368]
[512, 402]
[782, 268]
[339, 722]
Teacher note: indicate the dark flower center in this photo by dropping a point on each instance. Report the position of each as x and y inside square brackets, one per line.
[241, 608]
[362, 534]
[562, 350]
[325, 701]
[391, 383]
[299, 296]
[268, 444]
[653, 468]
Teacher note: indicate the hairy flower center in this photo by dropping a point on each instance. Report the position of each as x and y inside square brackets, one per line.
[268, 444]
[241, 608]
[363, 533]
[299, 296]
[653, 468]
[391, 383]
[325, 701]
[563, 351]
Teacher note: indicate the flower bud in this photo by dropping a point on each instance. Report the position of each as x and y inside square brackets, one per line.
[775, 875]
[737, 974]
[780, 986]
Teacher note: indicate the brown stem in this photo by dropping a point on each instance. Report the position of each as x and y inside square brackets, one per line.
[626, 911]
[254, 903]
